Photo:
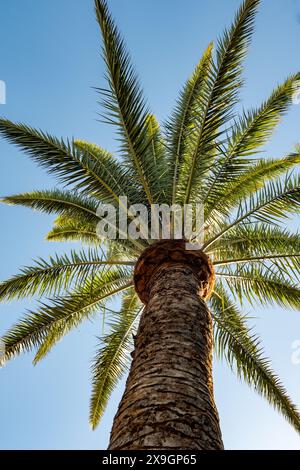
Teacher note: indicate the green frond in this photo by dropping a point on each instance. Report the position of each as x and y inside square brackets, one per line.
[53, 320]
[118, 251]
[287, 259]
[250, 132]
[218, 101]
[67, 229]
[124, 102]
[113, 357]
[259, 284]
[275, 201]
[182, 121]
[157, 144]
[256, 240]
[249, 181]
[72, 166]
[57, 274]
[272, 247]
[52, 335]
[243, 352]
[57, 201]
[155, 155]
[124, 184]
[254, 128]
[114, 175]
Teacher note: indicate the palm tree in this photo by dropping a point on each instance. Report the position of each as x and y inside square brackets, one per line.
[176, 304]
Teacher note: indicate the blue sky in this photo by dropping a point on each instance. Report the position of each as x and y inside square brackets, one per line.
[50, 61]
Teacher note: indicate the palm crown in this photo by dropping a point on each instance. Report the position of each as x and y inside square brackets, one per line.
[204, 153]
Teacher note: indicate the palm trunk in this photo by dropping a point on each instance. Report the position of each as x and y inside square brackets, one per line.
[168, 402]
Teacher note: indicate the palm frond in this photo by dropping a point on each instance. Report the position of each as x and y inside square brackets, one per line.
[275, 257]
[124, 102]
[182, 120]
[267, 245]
[155, 154]
[243, 352]
[275, 201]
[251, 131]
[73, 167]
[113, 357]
[259, 284]
[255, 240]
[248, 182]
[68, 229]
[56, 275]
[57, 201]
[218, 100]
[62, 314]
[116, 250]
[114, 175]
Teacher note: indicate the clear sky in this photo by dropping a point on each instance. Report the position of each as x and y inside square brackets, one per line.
[50, 61]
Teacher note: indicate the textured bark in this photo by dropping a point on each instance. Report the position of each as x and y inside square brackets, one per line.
[168, 401]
